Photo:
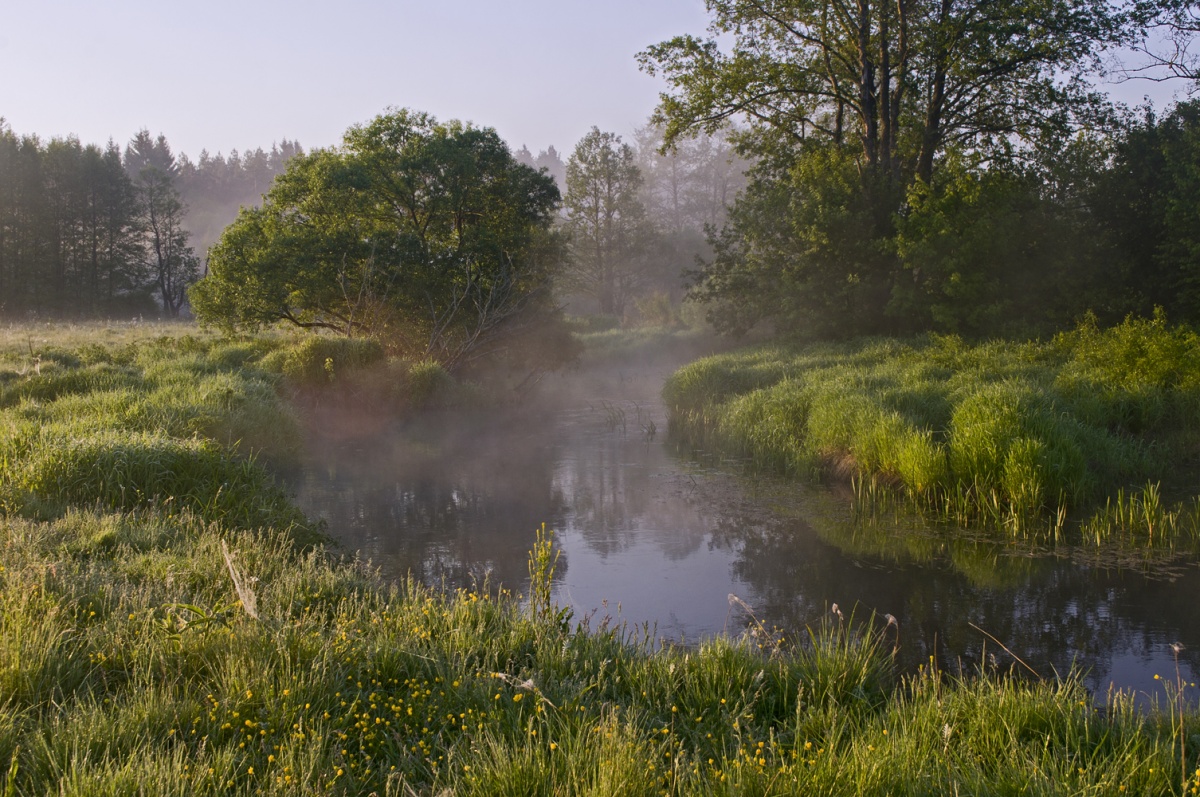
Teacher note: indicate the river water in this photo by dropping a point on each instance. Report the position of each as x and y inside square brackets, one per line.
[658, 535]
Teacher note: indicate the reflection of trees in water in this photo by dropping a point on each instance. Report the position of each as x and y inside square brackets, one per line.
[1051, 612]
[460, 502]
[613, 484]
[451, 513]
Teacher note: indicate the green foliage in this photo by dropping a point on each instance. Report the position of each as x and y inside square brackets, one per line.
[883, 200]
[428, 385]
[1146, 205]
[317, 360]
[987, 252]
[427, 237]
[1004, 432]
[606, 222]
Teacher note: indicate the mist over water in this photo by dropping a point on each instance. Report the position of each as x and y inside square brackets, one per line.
[655, 534]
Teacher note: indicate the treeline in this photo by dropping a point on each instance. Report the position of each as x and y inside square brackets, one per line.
[71, 240]
[89, 231]
[215, 187]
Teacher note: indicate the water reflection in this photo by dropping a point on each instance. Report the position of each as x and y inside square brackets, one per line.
[654, 535]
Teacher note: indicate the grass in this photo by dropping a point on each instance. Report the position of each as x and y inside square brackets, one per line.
[127, 665]
[156, 641]
[1016, 435]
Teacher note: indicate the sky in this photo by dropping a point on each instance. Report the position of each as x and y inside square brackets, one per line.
[221, 75]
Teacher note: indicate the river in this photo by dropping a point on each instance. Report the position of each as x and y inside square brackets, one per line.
[657, 535]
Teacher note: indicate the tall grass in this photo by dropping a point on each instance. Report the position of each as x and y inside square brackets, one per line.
[126, 666]
[1019, 434]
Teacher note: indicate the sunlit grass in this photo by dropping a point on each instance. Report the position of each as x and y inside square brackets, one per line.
[126, 662]
[1017, 435]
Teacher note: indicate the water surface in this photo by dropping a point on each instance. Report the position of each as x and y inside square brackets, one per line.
[658, 535]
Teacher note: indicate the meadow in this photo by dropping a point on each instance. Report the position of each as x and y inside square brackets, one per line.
[1094, 432]
[171, 624]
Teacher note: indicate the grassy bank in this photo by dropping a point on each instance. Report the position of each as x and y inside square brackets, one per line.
[169, 624]
[1016, 434]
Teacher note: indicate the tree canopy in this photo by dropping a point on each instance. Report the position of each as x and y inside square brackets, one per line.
[606, 221]
[896, 143]
[429, 236]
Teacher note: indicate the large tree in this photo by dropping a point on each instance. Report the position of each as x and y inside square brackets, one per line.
[428, 236]
[606, 221]
[851, 107]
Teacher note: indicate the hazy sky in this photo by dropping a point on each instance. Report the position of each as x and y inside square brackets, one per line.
[223, 75]
[234, 75]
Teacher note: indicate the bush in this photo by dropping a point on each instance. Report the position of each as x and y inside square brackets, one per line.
[320, 360]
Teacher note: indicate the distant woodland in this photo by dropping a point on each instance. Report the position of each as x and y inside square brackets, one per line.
[92, 231]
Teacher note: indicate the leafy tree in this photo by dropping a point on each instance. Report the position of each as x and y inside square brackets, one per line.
[1147, 205]
[606, 221]
[849, 106]
[172, 263]
[428, 236]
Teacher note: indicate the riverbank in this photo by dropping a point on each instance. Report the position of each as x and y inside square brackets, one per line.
[1095, 425]
[171, 625]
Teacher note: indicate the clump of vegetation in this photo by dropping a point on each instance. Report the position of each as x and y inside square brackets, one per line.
[173, 423]
[1000, 432]
[320, 359]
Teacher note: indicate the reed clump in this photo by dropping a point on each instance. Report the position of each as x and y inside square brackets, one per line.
[1019, 435]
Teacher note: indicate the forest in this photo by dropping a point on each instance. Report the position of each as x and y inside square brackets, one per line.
[90, 231]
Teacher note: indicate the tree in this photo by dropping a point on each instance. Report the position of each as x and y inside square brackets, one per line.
[69, 233]
[427, 236]
[1166, 49]
[172, 263]
[1147, 205]
[606, 221]
[849, 105]
[691, 183]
